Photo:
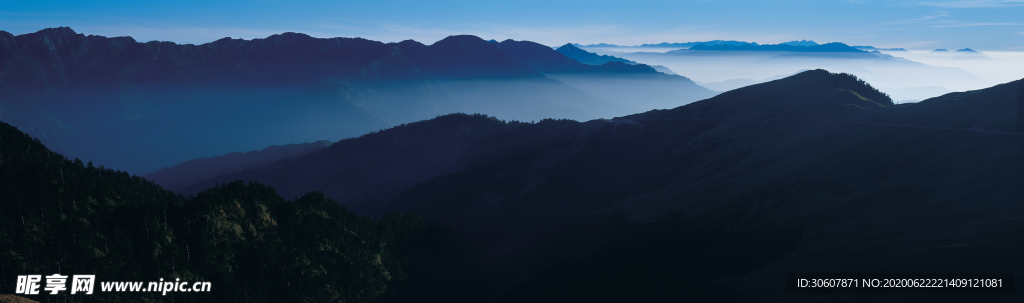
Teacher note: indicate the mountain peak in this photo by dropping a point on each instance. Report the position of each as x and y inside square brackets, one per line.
[844, 81]
[468, 56]
[459, 39]
[812, 94]
[49, 36]
[57, 31]
[801, 43]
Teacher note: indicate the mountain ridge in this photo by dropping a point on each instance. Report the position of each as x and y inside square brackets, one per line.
[834, 47]
[808, 96]
[546, 60]
[586, 57]
[813, 172]
[81, 94]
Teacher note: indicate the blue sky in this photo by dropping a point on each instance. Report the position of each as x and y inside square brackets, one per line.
[926, 24]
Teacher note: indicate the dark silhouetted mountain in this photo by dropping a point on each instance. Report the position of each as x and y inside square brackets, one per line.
[68, 217]
[469, 57]
[60, 57]
[586, 57]
[87, 96]
[983, 110]
[616, 81]
[819, 152]
[1020, 107]
[940, 50]
[356, 170]
[809, 95]
[800, 43]
[715, 200]
[834, 47]
[966, 50]
[177, 177]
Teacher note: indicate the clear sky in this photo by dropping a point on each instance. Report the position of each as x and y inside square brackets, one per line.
[922, 24]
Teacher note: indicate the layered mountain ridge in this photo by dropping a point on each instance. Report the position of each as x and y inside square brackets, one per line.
[86, 95]
[811, 152]
[713, 200]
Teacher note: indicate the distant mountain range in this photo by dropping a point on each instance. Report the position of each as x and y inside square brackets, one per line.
[742, 45]
[834, 47]
[800, 43]
[549, 61]
[571, 51]
[811, 164]
[672, 45]
[962, 50]
[688, 45]
[872, 48]
[715, 200]
[165, 102]
[898, 74]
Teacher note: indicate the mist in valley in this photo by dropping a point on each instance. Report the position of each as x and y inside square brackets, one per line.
[907, 76]
[496, 152]
[165, 125]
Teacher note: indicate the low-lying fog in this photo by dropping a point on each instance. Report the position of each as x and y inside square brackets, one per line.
[907, 76]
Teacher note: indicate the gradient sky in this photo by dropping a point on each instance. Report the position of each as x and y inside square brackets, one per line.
[926, 24]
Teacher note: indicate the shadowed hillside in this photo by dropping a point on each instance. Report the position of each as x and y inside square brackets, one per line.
[177, 177]
[817, 172]
[68, 217]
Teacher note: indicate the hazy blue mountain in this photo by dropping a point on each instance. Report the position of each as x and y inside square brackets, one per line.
[546, 60]
[756, 165]
[863, 47]
[663, 70]
[713, 64]
[833, 47]
[961, 54]
[585, 57]
[627, 84]
[691, 44]
[596, 45]
[800, 43]
[100, 98]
